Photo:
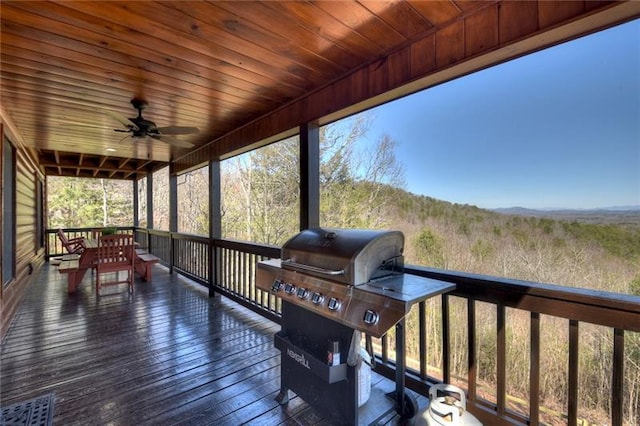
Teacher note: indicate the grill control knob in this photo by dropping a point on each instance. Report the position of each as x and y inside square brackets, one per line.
[302, 293]
[333, 304]
[370, 317]
[289, 288]
[277, 285]
[317, 298]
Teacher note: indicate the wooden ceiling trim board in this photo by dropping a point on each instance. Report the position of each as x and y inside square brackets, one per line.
[399, 67]
[516, 19]
[399, 15]
[466, 6]
[553, 12]
[450, 44]
[437, 12]
[103, 160]
[9, 128]
[481, 31]
[423, 56]
[70, 162]
[98, 165]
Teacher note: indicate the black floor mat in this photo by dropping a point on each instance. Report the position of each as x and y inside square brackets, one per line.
[33, 412]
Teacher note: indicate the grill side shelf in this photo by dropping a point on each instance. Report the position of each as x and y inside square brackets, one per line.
[330, 374]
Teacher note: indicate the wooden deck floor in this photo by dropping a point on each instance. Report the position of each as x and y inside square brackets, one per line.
[166, 355]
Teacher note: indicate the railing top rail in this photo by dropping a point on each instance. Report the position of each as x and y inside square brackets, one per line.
[249, 247]
[593, 306]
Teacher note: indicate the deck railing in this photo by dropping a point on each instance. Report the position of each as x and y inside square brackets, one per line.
[54, 245]
[232, 265]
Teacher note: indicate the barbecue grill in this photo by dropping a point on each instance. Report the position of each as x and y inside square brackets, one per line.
[336, 284]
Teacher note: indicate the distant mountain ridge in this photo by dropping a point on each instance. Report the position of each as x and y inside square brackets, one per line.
[525, 210]
[622, 215]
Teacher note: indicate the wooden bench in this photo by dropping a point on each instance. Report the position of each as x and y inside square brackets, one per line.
[144, 264]
[71, 267]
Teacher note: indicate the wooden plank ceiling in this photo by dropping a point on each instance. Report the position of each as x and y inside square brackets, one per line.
[70, 68]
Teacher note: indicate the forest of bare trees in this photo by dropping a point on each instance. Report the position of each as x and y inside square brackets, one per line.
[87, 203]
[362, 187]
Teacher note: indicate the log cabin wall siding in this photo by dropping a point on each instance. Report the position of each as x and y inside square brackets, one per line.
[482, 38]
[29, 256]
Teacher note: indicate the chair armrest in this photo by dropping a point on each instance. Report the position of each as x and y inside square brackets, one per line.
[76, 240]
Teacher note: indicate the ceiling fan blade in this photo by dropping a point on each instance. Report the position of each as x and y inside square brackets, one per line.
[172, 141]
[178, 130]
[122, 120]
[126, 137]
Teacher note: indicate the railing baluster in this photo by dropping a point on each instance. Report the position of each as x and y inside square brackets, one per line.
[245, 274]
[422, 327]
[501, 357]
[471, 348]
[385, 349]
[572, 414]
[446, 340]
[617, 385]
[230, 283]
[534, 372]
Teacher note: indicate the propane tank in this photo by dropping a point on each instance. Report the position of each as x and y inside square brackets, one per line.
[447, 407]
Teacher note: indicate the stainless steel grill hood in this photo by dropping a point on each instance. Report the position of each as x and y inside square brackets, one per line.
[347, 256]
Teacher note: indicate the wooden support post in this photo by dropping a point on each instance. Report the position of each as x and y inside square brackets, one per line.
[309, 176]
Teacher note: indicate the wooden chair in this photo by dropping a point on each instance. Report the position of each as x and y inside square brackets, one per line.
[73, 245]
[115, 254]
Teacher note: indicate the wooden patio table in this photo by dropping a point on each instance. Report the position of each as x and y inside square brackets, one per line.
[76, 268]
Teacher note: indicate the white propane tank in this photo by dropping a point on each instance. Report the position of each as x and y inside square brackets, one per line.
[447, 407]
[364, 377]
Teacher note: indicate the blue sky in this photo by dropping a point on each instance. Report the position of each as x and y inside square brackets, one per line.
[556, 129]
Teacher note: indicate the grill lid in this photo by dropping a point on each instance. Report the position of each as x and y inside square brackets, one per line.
[347, 256]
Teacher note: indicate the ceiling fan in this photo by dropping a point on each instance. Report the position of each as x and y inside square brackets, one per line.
[141, 128]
